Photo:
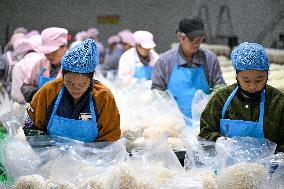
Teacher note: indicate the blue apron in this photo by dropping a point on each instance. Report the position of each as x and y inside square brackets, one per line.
[183, 84]
[42, 79]
[81, 130]
[143, 72]
[232, 128]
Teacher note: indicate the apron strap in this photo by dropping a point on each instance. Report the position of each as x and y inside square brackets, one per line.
[205, 68]
[229, 101]
[91, 104]
[42, 70]
[57, 101]
[92, 107]
[261, 107]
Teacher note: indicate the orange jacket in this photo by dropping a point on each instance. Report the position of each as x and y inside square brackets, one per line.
[108, 121]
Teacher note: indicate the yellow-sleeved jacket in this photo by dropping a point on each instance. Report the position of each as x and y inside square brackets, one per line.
[108, 115]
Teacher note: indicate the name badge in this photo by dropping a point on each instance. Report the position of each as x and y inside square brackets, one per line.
[85, 116]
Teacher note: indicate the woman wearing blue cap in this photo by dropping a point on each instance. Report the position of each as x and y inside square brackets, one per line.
[250, 107]
[76, 106]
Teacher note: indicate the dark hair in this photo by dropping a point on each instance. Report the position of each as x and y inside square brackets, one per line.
[190, 24]
[238, 71]
[89, 75]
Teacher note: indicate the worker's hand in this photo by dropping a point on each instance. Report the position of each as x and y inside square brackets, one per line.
[33, 132]
[273, 166]
[276, 162]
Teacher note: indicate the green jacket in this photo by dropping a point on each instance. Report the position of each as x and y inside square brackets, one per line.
[240, 109]
[3, 176]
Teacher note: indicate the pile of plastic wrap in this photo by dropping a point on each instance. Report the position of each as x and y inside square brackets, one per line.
[233, 163]
[249, 163]
[151, 114]
[63, 163]
[147, 114]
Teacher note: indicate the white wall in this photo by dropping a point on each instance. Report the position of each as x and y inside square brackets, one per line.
[161, 17]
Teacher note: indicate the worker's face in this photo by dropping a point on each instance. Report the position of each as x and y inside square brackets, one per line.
[56, 56]
[189, 46]
[252, 81]
[76, 84]
[142, 51]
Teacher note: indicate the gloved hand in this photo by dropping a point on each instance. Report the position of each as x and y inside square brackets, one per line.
[276, 162]
[29, 129]
[273, 166]
[33, 132]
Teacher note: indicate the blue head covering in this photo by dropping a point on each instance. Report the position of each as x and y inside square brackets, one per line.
[82, 58]
[250, 56]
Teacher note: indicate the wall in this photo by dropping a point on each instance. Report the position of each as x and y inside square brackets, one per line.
[161, 17]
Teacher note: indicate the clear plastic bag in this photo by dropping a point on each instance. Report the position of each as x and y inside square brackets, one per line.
[135, 145]
[276, 170]
[277, 179]
[243, 149]
[242, 162]
[130, 174]
[151, 167]
[159, 151]
[157, 161]
[243, 175]
[146, 113]
[199, 102]
[182, 183]
[106, 178]
[149, 114]
[200, 154]
[60, 161]
[132, 129]
[11, 113]
[19, 162]
[200, 161]
[80, 161]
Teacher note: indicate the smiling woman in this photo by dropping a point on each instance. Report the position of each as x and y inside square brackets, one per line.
[76, 106]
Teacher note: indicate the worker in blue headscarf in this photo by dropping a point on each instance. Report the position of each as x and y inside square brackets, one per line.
[249, 107]
[76, 106]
